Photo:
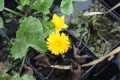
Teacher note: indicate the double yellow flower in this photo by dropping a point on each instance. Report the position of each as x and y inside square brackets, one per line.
[58, 43]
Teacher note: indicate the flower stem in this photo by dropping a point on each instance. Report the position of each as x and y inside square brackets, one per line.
[22, 63]
[45, 26]
[79, 12]
[12, 11]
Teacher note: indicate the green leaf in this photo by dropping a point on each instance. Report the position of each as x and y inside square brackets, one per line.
[28, 77]
[16, 76]
[30, 34]
[1, 23]
[19, 7]
[42, 5]
[8, 77]
[80, 0]
[49, 28]
[24, 2]
[67, 6]
[50, 24]
[1, 5]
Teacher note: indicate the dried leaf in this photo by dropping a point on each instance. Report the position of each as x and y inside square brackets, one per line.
[76, 70]
[79, 59]
[42, 60]
[2, 66]
[28, 70]
[75, 50]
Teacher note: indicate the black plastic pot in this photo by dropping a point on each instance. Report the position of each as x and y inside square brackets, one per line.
[4, 35]
[108, 69]
[16, 66]
[108, 4]
[87, 70]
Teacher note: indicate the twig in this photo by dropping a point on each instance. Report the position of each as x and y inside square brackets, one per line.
[113, 52]
[51, 71]
[102, 37]
[86, 42]
[95, 13]
[117, 5]
[61, 66]
[82, 38]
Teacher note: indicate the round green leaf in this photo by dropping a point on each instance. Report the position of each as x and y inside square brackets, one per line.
[30, 34]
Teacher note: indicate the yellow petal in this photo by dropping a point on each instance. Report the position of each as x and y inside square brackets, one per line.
[62, 18]
[59, 22]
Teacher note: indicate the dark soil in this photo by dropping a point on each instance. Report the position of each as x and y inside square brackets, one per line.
[10, 29]
[53, 73]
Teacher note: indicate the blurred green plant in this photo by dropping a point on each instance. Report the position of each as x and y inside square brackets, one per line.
[103, 31]
[5, 76]
[67, 6]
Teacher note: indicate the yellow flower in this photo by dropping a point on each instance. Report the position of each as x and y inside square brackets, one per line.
[58, 43]
[59, 22]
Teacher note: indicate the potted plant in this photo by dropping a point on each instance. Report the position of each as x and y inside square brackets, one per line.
[45, 36]
[55, 43]
[55, 48]
[55, 67]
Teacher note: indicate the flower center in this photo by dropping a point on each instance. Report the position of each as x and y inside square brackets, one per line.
[57, 44]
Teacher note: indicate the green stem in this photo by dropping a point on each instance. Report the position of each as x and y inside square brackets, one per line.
[12, 11]
[48, 29]
[45, 26]
[79, 12]
[17, 2]
[22, 63]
